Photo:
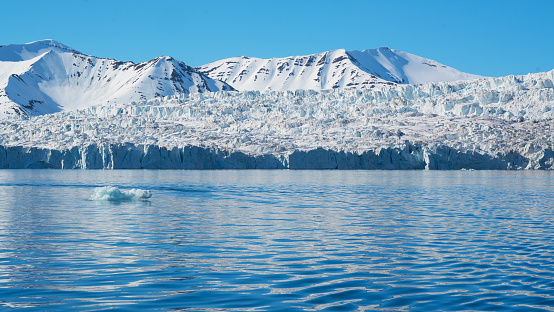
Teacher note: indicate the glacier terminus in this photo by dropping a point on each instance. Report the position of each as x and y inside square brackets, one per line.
[371, 109]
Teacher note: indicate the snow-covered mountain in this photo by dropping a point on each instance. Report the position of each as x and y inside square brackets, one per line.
[46, 76]
[494, 123]
[338, 69]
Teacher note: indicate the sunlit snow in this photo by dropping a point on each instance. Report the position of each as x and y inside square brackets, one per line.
[337, 69]
[500, 123]
[45, 77]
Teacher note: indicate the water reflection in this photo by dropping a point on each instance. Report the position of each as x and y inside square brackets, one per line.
[278, 240]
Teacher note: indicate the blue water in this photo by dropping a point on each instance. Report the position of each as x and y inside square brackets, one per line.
[278, 241]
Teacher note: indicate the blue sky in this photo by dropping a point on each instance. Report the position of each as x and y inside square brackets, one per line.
[491, 38]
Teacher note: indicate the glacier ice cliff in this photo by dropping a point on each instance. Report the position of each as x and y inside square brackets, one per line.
[496, 123]
[129, 156]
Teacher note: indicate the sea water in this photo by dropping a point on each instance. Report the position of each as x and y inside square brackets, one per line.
[277, 241]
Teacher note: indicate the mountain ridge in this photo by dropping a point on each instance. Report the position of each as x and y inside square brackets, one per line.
[45, 77]
[24, 52]
[331, 70]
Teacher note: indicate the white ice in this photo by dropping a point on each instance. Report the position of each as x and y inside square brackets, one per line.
[111, 193]
[493, 117]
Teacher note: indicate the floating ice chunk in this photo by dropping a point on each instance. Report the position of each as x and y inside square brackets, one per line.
[110, 193]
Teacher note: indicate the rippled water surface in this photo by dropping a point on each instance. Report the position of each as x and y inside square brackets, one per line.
[278, 241]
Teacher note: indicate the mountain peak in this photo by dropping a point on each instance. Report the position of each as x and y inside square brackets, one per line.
[50, 43]
[336, 69]
[46, 76]
[27, 51]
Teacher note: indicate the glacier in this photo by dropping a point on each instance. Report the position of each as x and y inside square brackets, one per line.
[492, 123]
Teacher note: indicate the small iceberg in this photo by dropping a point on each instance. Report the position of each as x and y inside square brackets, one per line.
[111, 193]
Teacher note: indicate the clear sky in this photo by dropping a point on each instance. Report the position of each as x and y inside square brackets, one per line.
[485, 37]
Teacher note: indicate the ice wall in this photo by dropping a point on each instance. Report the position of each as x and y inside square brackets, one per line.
[501, 123]
[129, 156]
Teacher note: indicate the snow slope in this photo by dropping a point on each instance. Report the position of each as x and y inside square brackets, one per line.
[24, 52]
[500, 123]
[338, 69]
[46, 77]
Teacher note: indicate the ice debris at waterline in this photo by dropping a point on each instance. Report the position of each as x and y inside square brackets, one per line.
[501, 123]
[111, 193]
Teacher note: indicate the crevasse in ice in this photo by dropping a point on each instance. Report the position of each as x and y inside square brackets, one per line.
[497, 123]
